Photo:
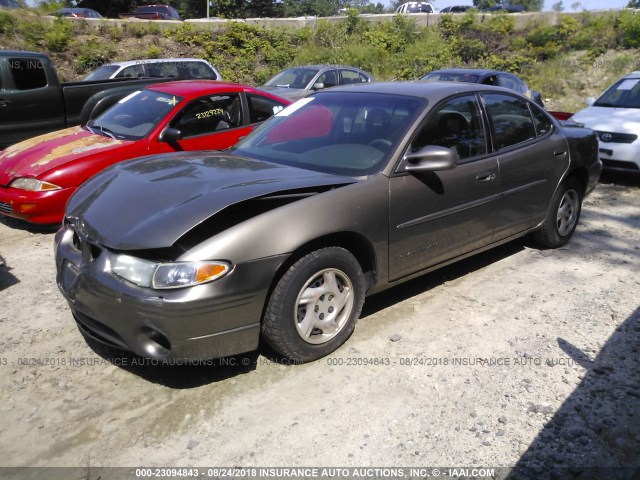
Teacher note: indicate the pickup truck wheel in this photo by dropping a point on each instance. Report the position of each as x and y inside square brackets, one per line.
[563, 215]
[315, 305]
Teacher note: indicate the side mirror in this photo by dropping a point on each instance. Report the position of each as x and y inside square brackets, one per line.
[318, 86]
[431, 158]
[590, 101]
[170, 135]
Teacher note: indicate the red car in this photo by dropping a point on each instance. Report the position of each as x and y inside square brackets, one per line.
[38, 176]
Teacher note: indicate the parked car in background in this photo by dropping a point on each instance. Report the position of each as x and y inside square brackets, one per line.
[10, 4]
[38, 175]
[33, 101]
[486, 77]
[457, 9]
[615, 116]
[416, 7]
[76, 13]
[176, 68]
[345, 193]
[153, 12]
[297, 82]
[505, 8]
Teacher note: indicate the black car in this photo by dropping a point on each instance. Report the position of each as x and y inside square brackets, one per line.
[10, 4]
[505, 8]
[457, 9]
[77, 13]
[486, 77]
[343, 194]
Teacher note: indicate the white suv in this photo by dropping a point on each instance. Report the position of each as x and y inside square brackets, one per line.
[177, 68]
[416, 7]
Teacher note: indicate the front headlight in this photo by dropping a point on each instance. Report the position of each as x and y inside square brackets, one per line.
[166, 275]
[33, 185]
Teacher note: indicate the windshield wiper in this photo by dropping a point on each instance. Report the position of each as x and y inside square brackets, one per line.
[104, 131]
[604, 104]
[283, 86]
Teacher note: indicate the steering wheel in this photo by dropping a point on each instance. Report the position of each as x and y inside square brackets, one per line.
[381, 142]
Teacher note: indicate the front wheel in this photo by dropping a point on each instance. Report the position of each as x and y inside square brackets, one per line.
[563, 215]
[314, 307]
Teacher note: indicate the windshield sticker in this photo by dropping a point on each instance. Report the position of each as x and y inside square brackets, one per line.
[628, 84]
[294, 107]
[130, 96]
[210, 113]
[171, 101]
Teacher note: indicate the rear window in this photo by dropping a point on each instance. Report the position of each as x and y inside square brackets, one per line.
[102, 73]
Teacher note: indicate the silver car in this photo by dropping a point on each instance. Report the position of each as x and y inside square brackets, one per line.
[297, 82]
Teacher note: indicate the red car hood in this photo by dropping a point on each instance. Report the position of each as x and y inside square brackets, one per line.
[37, 155]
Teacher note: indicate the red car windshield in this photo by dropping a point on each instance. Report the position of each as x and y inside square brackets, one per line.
[133, 117]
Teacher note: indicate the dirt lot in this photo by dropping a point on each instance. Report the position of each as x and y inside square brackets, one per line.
[518, 356]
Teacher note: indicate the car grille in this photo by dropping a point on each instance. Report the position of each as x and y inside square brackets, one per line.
[5, 208]
[619, 165]
[608, 137]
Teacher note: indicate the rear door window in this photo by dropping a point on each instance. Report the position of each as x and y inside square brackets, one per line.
[27, 73]
[511, 119]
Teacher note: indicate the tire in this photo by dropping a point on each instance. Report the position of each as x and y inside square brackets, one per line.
[563, 216]
[330, 280]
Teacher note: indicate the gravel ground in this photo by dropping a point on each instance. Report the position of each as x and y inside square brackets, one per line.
[516, 357]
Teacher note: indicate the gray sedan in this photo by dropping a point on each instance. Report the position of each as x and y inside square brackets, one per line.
[343, 194]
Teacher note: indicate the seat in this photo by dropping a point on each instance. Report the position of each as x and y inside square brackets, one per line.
[453, 131]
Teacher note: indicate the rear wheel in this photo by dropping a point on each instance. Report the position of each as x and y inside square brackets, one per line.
[315, 305]
[563, 215]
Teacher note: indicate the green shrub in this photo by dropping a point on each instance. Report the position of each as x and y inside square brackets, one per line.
[91, 54]
[7, 22]
[629, 26]
[59, 35]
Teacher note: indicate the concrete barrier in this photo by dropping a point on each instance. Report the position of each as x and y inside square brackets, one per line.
[421, 19]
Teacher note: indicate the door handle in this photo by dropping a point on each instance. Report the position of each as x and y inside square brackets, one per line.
[559, 154]
[486, 177]
[4, 103]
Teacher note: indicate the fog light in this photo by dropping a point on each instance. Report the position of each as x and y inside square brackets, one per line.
[27, 207]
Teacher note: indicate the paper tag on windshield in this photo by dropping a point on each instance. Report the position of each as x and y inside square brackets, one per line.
[628, 84]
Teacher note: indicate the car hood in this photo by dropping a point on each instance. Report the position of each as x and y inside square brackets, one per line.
[609, 119]
[153, 201]
[37, 155]
[288, 93]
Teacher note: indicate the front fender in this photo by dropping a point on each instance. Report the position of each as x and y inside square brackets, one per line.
[361, 208]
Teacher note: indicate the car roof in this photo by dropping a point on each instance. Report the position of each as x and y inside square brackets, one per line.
[196, 88]
[129, 63]
[325, 65]
[477, 71]
[432, 90]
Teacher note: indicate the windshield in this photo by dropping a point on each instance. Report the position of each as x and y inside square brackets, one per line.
[293, 78]
[451, 77]
[102, 73]
[623, 94]
[335, 132]
[133, 117]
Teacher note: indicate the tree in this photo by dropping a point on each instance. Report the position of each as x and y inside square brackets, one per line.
[633, 4]
[576, 5]
[559, 7]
